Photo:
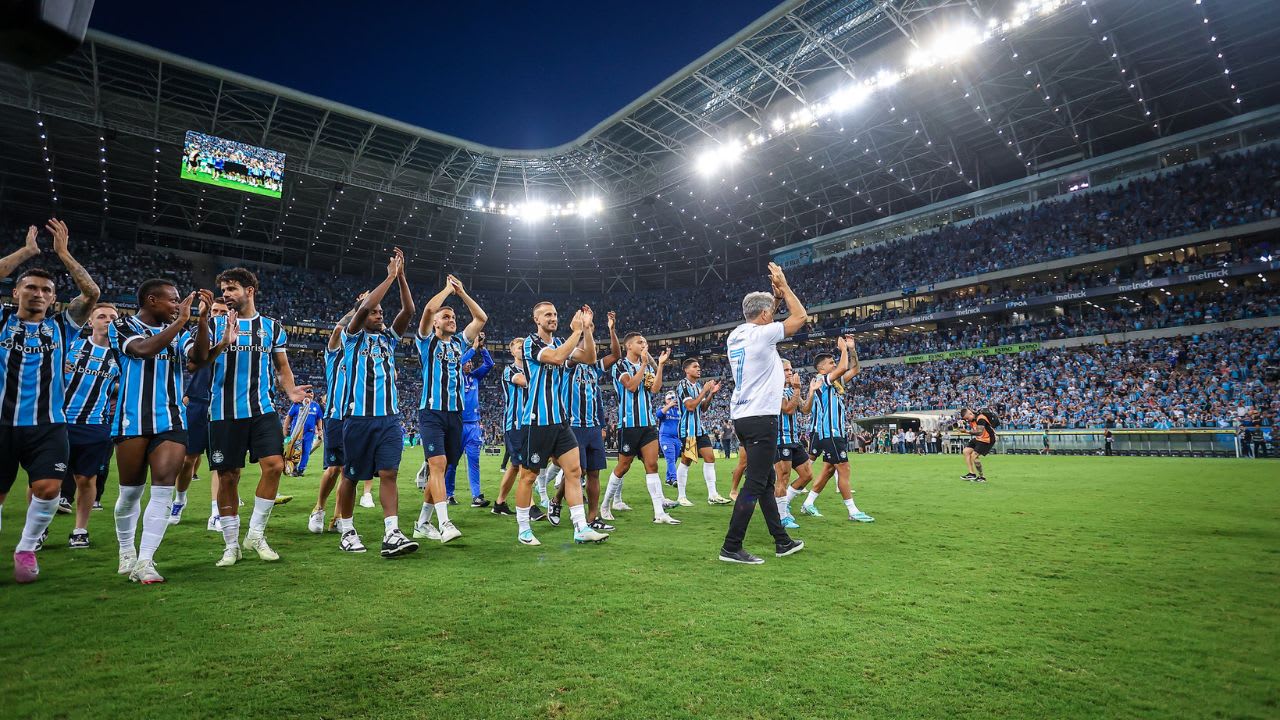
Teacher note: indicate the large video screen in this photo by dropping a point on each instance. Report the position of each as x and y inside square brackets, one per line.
[231, 164]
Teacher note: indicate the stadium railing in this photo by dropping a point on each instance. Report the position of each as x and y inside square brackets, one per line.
[1176, 442]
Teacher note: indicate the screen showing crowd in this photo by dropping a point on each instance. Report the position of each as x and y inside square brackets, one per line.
[231, 164]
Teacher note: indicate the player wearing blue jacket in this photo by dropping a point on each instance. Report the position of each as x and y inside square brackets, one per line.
[669, 433]
[472, 434]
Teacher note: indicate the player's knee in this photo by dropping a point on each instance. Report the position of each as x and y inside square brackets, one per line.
[271, 464]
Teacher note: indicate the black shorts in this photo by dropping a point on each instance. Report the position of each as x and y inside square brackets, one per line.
[90, 448]
[441, 432]
[515, 445]
[197, 427]
[41, 450]
[982, 448]
[590, 448]
[834, 450]
[333, 452]
[544, 443]
[261, 436]
[793, 453]
[371, 444]
[631, 440]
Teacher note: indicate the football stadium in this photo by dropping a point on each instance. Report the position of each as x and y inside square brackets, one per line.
[1004, 272]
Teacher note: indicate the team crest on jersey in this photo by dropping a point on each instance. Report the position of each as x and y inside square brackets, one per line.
[534, 458]
[262, 333]
[216, 456]
[45, 330]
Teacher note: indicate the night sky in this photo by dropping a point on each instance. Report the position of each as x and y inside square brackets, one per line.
[517, 75]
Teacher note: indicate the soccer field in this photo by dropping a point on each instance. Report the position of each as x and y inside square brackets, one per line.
[1065, 587]
[242, 187]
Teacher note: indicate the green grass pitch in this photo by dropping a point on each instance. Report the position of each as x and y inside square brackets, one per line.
[1066, 587]
[242, 187]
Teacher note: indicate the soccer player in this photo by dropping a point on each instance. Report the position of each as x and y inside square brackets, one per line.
[196, 401]
[826, 403]
[150, 424]
[983, 433]
[440, 412]
[695, 397]
[544, 414]
[91, 377]
[791, 453]
[33, 352]
[757, 397]
[515, 392]
[335, 379]
[305, 418]
[372, 438]
[637, 435]
[668, 417]
[242, 418]
[472, 433]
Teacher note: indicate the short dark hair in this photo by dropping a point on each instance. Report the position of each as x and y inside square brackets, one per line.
[540, 303]
[243, 277]
[627, 338]
[687, 362]
[38, 273]
[821, 357]
[149, 287]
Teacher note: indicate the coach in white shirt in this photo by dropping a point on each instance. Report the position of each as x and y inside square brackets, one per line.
[757, 400]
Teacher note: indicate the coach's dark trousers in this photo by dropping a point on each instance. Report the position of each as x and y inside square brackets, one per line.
[758, 437]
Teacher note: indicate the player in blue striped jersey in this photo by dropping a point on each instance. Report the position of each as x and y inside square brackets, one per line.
[827, 406]
[242, 418]
[515, 393]
[372, 439]
[92, 374]
[545, 416]
[152, 348]
[635, 377]
[440, 411]
[33, 347]
[335, 379]
[694, 397]
[791, 452]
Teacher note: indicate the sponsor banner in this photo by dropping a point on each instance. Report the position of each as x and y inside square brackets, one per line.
[973, 352]
[799, 257]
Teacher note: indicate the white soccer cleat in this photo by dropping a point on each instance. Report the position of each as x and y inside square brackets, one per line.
[526, 538]
[719, 500]
[257, 542]
[144, 571]
[128, 558]
[620, 506]
[684, 502]
[604, 513]
[215, 524]
[665, 520]
[175, 516]
[315, 522]
[448, 531]
[230, 556]
[427, 531]
[366, 500]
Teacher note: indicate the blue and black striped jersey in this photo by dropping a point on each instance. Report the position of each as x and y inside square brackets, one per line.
[545, 404]
[91, 375]
[32, 355]
[370, 359]
[150, 397]
[635, 408]
[690, 420]
[514, 398]
[584, 394]
[442, 381]
[828, 410]
[788, 433]
[335, 381]
[244, 375]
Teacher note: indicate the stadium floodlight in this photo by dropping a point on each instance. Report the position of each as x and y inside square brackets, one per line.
[887, 78]
[479, 203]
[589, 207]
[849, 97]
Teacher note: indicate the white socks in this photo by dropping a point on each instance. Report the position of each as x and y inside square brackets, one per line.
[39, 515]
[709, 475]
[522, 518]
[345, 525]
[214, 512]
[179, 496]
[654, 483]
[541, 484]
[579, 515]
[813, 497]
[792, 493]
[155, 520]
[424, 515]
[611, 490]
[682, 479]
[230, 530]
[127, 514]
[782, 506]
[442, 509]
[389, 524]
[852, 508]
[262, 508]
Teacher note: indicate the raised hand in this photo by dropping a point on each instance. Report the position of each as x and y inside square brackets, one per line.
[231, 332]
[666, 355]
[399, 255]
[713, 387]
[184, 308]
[776, 276]
[815, 384]
[479, 342]
[613, 318]
[794, 380]
[299, 393]
[588, 316]
[60, 233]
[32, 233]
[576, 323]
[455, 285]
[393, 265]
[206, 301]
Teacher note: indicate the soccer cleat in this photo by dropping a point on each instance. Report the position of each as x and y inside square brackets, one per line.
[553, 514]
[790, 547]
[604, 513]
[25, 567]
[175, 515]
[526, 538]
[671, 482]
[128, 558]
[145, 572]
[479, 501]
[64, 506]
[425, 531]
[254, 540]
[283, 499]
[790, 523]
[684, 502]
[230, 555]
[396, 544]
[968, 476]
[536, 514]
[215, 524]
[665, 519]
[742, 557]
[861, 517]
[78, 540]
[601, 525]
[449, 531]
[589, 534]
[44, 536]
[501, 508]
[366, 500]
[620, 506]
[350, 542]
[719, 500]
[452, 501]
[808, 509]
[315, 522]
[97, 504]
[669, 504]
[980, 478]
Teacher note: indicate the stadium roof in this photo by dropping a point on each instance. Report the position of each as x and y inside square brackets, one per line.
[819, 116]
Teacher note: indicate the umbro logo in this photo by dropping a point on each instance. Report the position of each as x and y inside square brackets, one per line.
[60, 467]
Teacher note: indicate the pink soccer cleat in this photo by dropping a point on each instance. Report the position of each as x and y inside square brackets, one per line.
[25, 567]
